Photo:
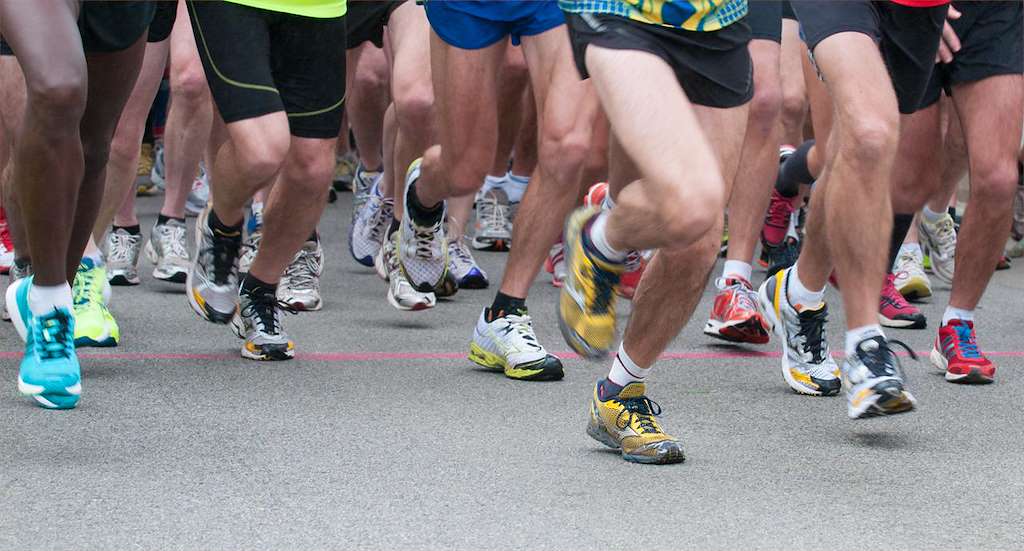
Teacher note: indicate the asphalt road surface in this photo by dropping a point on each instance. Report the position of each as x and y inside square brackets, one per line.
[381, 435]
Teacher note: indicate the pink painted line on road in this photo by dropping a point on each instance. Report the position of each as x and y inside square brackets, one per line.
[421, 356]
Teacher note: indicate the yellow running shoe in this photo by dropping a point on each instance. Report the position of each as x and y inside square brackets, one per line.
[94, 325]
[586, 307]
[627, 422]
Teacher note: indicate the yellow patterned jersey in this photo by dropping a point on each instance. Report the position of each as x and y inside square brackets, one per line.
[692, 15]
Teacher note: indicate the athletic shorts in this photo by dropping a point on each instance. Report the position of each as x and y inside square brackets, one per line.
[366, 20]
[163, 20]
[108, 26]
[471, 25]
[908, 37]
[765, 20]
[259, 62]
[991, 44]
[787, 10]
[714, 68]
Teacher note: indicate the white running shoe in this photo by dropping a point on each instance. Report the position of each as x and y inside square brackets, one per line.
[401, 293]
[300, 285]
[363, 182]
[940, 241]
[200, 194]
[492, 230]
[555, 264]
[910, 280]
[509, 344]
[167, 249]
[422, 250]
[369, 227]
[464, 268]
[122, 257]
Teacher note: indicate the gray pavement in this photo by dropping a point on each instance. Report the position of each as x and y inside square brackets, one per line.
[429, 453]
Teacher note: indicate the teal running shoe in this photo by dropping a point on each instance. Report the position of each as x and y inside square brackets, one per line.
[49, 371]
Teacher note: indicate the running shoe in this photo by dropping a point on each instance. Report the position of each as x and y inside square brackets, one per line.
[1004, 263]
[200, 194]
[910, 280]
[940, 241]
[555, 263]
[167, 249]
[735, 313]
[253, 235]
[19, 270]
[94, 325]
[779, 257]
[363, 181]
[344, 171]
[895, 311]
[492, 231]
[464, 268]
[370, 226]
[6, 244]
[146, 160]
[380, 260]
[401, 294]
[300, 285]
[586, 307]
[956, 352]
[627, 422]
[597, 196]
[1016, 249]
[874, 380]
[422, 250]
[777, 220]
[807, 364]
[49, 371]
[122, 256]
[156, 174]
[508, 344]
[213, 277]
[258, 321]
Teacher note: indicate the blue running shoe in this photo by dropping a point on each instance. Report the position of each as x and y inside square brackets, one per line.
[463, 267]
[49, 371]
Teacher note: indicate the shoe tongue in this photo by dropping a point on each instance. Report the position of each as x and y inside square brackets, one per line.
[86, 264]
[871, 345]
[632, 390]
[801, 308]
[961, 322]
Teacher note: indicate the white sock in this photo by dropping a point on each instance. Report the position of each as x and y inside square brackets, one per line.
[737, 268]
[957, 313]
[930, 215]
[42, 300]
[798, 294]
[600, 241]
[95, 256]
[624, 370]
[492, 182]
[858, 334]
[911, 248]
[515, 187]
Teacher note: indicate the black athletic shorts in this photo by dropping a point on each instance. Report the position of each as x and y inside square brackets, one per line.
[991, 44]
[908, 37]
[259, 62]
[787, 10]
[765, 20]
[713, 68]
[108, 26]
[367, 19]
[163, 20]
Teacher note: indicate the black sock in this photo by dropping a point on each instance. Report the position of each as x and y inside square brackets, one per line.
[422, 215]
[900, 226]
[794, 171]
[161, 219]
[395, 224]
[251, 286]
[222, 228]
[504, 305]
[134, 230]
[315, 237]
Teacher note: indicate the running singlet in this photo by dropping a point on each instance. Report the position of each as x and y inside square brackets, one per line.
[308, 8]
[692, 15]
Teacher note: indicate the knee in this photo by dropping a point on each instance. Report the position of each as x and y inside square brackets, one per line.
[466, 171]
[765, 107]
[260, 159]
[371, 82]
[188, 83]
[563, 153]
[414, 107]
[311, 170]
[794, 106]
[703, 213]
[59, 95]
[871, 137]
[994, 183]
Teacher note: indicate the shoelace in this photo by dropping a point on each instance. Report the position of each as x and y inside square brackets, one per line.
[302, 273]
[522, 326]
[892, 296]
[83, 287]
[121, 247]
[966, 341]
[946, 236]
[779, 212]
[265, 307]
[460, 256]
[252, 244]
[641, 409]
[742, 295]
[223, 253]
[378, 218]
[425, 242]
[492, 212]
[812, 329]
[53, 341]
[172, 240]
[882, 361]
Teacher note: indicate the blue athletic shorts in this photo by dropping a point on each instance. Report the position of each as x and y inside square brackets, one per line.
[473, 24]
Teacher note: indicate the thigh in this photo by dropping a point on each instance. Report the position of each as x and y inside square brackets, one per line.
[910, 41]
[112, 77]
[990, 114]
[855, 76]
[308, 64]
[456, 24]
[565, 103]
[45, 39]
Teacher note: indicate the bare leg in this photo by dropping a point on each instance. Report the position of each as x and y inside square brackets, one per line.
[524, 159]
[12, 112]
[367, 101]
[514, 77]
[794, 91]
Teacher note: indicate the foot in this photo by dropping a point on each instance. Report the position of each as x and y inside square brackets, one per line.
[586, 306]
[19, 270]
[509, 344]
[422, 249]
[401, 293]
[911, 281]
[6, 245]
[200, 194]
[167, 249]
[779, 257]
[94, 325]
[258, 321]
[370, 226]
[777, 220]
[362, 183]
[940, 240]
[874, 381]
[213, 277]
[464, 268]
[807, 364]
[122, 256]
[555, 264]
[492, 230]
[895, 311]
[49, 371]
[300, 285]
[627, 422]
[735, 314]
[956, 352]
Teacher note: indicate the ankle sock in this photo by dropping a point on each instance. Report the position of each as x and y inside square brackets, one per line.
[625, 371]
[251, 285]
[222, 228]
[595, 231]
[737, 268]
[492, 182]
[859, 334]
[957, 313]
[43, 299]
[930, 215]
[395, 224]
[422, 215]
[161, 219]
[515, 187]
[911, 248]
[134, 230]
[799, 294]
[505, 304]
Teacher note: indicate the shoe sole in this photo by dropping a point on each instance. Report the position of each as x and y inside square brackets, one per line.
[919, 323]
[87, 342]
[915, 291]
[598, 433]
[496, 245]
[419, 306]
[303, 307]
[746, 332]
[975, 377]
[875, 407]
[122, 280]
[493, 362]
[273, 355]
[473, 283]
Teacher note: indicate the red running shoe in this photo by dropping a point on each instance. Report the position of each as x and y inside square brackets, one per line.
[956, 352]
[6, 245]
[595, 195]
[776, 223]
[735, 316]
[555, 263]
[895, 311]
